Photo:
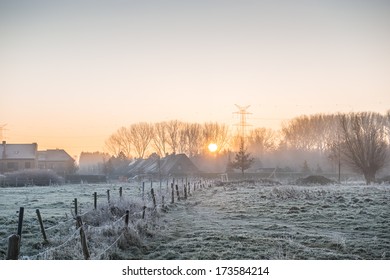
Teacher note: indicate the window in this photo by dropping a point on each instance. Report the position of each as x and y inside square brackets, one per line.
[11, 166]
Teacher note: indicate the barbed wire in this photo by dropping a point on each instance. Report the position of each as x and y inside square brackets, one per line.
[104, 226]
[55, 248]
[59, 224]
[109, 247]
[147, 198]
[4, 239]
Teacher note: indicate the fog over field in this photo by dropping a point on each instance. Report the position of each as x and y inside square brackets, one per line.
[231, 220]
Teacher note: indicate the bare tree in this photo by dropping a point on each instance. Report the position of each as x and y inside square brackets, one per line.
[364, 144]
[141, 135]
[192, 133]
[217, 133]
[160, 138]
[262, 140]
[310, 133]
[173, 128]
[119, 142]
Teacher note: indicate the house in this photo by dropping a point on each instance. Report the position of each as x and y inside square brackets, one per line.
[57, 160]
[175, 164]
[14, 157]
[92, 163]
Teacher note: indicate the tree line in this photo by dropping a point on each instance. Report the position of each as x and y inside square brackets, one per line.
[172, 137]
[359, 140]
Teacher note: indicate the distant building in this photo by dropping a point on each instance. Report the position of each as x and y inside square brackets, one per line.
[177, 164]
[57, 160]
[92, 163]
[16, 157]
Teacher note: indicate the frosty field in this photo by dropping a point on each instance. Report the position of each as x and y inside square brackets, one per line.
[240, 220]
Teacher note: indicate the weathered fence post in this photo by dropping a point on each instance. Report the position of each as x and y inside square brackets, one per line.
[20, 223]
[108, 196]
[143, 191]
[177, 192]
[41, 225]
[162, 201]
[75, 206]
[173, 194]
[143, 212]
[83, 239]
[13, 247]
[185, 191]
[95, 200]
[120, 192]
[154, 198]
[127, 218]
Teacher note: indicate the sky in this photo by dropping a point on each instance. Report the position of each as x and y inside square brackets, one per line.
[73, 72]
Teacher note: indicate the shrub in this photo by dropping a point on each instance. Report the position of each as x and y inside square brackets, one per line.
[314, 180]
[35, 177]
[384, 180]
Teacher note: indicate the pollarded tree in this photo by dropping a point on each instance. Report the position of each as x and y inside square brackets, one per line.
[364, 144]
[242, 160]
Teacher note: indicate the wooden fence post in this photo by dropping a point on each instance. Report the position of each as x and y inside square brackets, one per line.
[20, 223]
[75, 206]
[154, 198]
[173, 194]
[95, 200]
[13, 247]
[83, 239]
[185, 191]
[41, 225]
[120, 192]
[127, 218]
[143, 212]
[177, 192]
[108, 196]
[143, 191]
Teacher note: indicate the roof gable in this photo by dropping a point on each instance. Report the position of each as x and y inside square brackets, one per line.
[18, 151]
[54, 155]
[171, 164]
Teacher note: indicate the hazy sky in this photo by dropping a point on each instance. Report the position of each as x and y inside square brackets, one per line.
[73, 72]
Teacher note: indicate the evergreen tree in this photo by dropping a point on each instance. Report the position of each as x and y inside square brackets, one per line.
[306, 168]
[242, 160]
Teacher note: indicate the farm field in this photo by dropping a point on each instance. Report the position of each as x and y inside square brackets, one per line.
[235, 220]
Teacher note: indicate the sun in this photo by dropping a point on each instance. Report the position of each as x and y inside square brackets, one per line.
[213, 147]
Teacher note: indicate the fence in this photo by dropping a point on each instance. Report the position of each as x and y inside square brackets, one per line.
[94, 233]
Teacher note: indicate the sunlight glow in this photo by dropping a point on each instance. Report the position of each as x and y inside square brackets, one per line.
[213, 147]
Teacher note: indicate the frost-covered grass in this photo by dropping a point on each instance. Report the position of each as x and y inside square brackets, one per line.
[245, 220]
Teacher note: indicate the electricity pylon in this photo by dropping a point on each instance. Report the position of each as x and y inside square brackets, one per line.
[243, 123]
[2, 128]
